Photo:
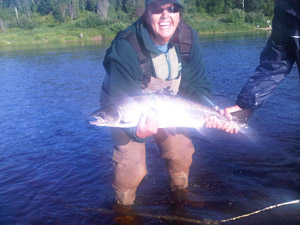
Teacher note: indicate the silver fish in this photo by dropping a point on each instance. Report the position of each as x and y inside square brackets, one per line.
[172, 111]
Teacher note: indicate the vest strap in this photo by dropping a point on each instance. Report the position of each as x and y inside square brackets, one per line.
[182, 38]
[144, 61]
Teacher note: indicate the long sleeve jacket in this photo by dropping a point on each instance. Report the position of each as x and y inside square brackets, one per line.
[124, 74]
[277, 58]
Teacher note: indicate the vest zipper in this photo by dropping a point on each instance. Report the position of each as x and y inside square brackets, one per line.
[169, 65]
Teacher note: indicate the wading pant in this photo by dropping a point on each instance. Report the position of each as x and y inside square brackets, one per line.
[129, 161]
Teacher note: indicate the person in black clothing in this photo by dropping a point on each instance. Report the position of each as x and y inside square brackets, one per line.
[276, 60]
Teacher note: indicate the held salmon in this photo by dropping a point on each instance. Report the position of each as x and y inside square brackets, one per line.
[172, 111]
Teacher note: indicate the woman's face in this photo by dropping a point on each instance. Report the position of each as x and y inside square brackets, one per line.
[163, 22]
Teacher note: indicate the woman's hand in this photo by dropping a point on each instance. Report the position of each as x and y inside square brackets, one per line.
[230, 126]
[147, 125]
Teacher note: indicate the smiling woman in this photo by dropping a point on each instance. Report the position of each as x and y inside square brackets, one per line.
[158, 53]
[163, 21]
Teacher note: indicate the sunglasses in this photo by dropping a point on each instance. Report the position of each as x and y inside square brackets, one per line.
[171, 9]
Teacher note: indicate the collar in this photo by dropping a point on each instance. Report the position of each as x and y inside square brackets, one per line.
[290, 6]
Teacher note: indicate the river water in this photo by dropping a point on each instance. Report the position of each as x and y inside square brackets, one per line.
[55, 168]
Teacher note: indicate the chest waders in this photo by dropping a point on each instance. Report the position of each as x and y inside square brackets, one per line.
[129, 158]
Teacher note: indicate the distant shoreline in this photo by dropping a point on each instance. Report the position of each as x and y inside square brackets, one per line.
[19, 37]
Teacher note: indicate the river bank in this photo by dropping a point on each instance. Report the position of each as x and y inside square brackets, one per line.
[64, 34]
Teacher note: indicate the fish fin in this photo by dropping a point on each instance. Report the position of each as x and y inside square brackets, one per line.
[94, 122]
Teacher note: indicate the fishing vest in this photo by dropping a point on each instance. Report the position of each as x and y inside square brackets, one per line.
[182, 38]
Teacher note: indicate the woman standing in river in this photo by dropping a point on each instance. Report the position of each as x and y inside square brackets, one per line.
[158, 53]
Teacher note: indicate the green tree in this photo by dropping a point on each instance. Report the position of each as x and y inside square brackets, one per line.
[268, 7]
[73, 9]
[231, 4]
[91, 5]
[264, 6]
[45, 7]
[235, 16]
[211, 6]
[190, 6]
[60, 10]
[102, 8]
[134, 8]
[82, 5]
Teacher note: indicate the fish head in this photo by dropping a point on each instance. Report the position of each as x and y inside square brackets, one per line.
[106, 116]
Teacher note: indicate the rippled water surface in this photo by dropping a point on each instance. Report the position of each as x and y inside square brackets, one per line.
[55, 168]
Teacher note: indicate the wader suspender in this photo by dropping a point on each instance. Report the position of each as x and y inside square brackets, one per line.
[182, 38]
[144, 61]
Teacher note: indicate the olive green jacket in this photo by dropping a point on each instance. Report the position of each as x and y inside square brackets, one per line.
[124, 74]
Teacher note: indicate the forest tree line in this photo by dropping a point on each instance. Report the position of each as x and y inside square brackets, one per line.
[27, 14]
